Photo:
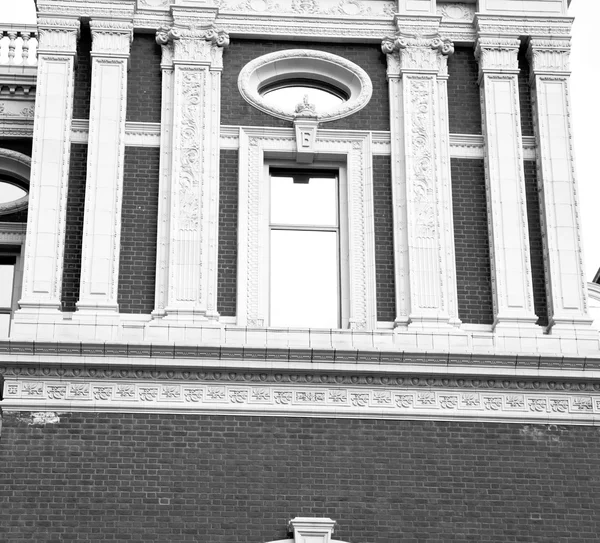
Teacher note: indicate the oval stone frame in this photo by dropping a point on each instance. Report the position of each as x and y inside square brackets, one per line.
[309, 64]
[18, 167]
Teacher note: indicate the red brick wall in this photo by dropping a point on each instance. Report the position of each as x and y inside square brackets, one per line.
[144, 80]
[83, 75]
[232, 479]
[525, 95]
[139, 219]
[536, 249]
[74, 226]
[236, 111]
[228, 233]
[473, 272]
[384, 238]
[464, 109]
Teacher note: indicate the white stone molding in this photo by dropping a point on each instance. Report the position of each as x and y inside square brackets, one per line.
[12, 233]
[123, 9]
[18, 166]
[505, 183]
[317, 65]
[16, 127]
[421, 188]
[566, 287]
[311, 530]
[524, 7]
[353, 149]
[137, 134]
[495, 25]
[456, 11]
[111, 41]
[189, 290]
[246, 392]
[43, 261]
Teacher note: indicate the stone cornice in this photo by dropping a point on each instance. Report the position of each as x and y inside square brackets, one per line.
[86, 8]
[492, 25]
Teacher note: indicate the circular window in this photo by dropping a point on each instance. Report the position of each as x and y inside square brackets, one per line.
[276, 83]
[14, 181]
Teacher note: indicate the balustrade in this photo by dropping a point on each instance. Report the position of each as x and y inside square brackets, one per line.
[18, 45]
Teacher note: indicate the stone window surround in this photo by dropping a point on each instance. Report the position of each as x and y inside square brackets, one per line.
[311, 64]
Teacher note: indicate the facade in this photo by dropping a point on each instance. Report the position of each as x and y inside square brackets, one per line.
[226, 316]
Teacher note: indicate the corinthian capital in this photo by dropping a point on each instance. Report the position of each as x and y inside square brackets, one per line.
[418, 53]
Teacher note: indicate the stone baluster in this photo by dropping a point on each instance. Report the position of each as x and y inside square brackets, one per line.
[505, 181]
[45, 240]
[12, 46]
[111, 39]
[423, 234]
[25, 47]
[566, 287]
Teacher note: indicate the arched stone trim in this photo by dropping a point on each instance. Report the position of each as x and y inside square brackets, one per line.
[17, 166]
[306, 63]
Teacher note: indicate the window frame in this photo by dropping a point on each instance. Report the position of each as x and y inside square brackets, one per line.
[260, 147]
[341, 228]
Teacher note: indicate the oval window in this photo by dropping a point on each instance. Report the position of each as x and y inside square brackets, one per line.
[10, 192]
[277, 82]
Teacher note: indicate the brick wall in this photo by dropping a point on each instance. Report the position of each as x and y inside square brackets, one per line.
[473, 272]
[384, 238]
[139, 216]
[464, 107]
[536, 249]
[525, 94]
[83, 75]
[74, 226]
[228, 233]
[236, 111]
[232, 479]
[144, 80]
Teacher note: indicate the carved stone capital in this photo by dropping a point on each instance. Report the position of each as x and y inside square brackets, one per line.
[111, 37]
[58, 34]
[497, 54]
[549, 56]
[417, 53]
[193, 45]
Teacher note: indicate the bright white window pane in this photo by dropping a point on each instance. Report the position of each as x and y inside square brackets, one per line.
[305, 203]
[287, 98]
[304, 279]
[6, 284]
[9, 193]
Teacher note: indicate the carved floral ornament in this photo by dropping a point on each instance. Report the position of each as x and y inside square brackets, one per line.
[193, 43]
[310, 64]
[418, 52]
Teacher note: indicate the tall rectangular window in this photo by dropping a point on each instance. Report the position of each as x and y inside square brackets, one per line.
[304, 249]
[7, 284]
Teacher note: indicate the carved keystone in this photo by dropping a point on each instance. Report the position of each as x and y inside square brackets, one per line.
[312, 530]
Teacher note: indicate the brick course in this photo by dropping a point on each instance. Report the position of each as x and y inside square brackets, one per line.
[236, 111]
[228, 233]
[472, 251]
[384, 238]
[536, 249]
[74, 226]
[83, 75]
[144, 80]
[464, 107]
[234, 479]
[139, 219]
[525, 94]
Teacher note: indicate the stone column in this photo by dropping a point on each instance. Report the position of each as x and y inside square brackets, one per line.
[563, 257]
[505, 182]
[422, 200]
[111, 41]
[191, 262]
[45, 242]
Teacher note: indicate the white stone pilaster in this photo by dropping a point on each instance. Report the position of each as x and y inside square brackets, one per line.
[111, 41]
[44, 248]
[505, 182]
[164, 184]
[192, 265]
[563, 256]
[422, 200]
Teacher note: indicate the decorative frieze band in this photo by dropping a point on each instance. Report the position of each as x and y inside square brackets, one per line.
[399, 400]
